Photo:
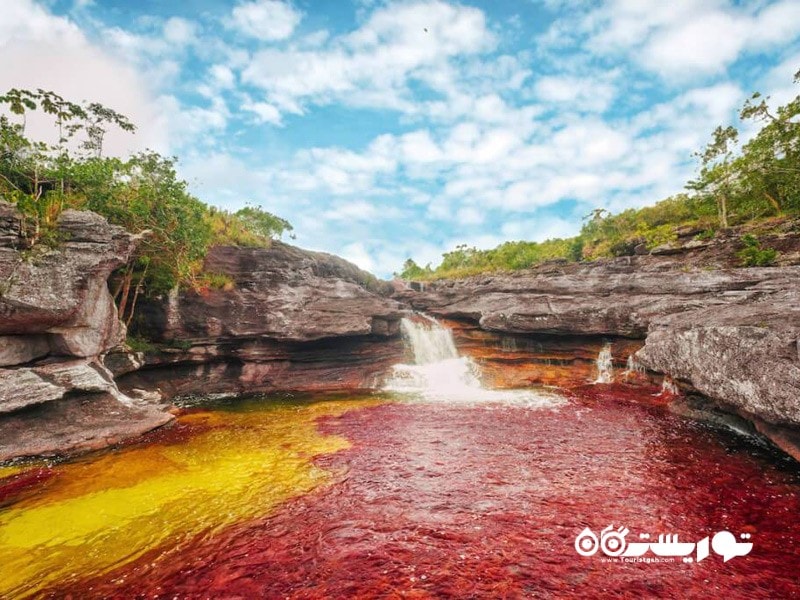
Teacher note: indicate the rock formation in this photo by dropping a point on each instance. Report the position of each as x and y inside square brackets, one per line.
[292, 320]
[57, 320]
[731, 334]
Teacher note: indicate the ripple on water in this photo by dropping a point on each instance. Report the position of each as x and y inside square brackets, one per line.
[106, 510]
[453, 500]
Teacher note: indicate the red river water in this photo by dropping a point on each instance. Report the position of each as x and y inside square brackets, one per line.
[441, 500]
[437, 488]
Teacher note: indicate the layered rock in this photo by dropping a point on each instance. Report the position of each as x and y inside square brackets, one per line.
[57, 320]
[729, 334]
[290, 320]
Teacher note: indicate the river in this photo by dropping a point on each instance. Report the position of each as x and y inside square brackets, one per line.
[414, 492]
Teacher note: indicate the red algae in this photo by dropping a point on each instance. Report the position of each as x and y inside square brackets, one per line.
[27, 480]
[443, 500]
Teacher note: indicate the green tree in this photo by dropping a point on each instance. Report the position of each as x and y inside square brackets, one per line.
[412, 271]
[717, 173]
[262, 223]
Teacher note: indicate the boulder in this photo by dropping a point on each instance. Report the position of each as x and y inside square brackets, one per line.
[60, 294]
[57, 319]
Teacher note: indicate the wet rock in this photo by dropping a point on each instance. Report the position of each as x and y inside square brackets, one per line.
[75, 424]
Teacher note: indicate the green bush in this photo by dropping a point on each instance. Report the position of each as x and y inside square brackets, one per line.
[753, 255]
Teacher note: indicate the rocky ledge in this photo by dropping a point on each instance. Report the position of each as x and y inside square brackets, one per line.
[288, 320]
[57, 320]
[729, 334]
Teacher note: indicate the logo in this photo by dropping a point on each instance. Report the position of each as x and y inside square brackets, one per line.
[614, 545]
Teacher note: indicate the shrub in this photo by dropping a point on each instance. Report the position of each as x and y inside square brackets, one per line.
[753, 255]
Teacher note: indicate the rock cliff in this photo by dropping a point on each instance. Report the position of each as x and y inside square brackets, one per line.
[289, 320]
[732, 335]
[57, 320]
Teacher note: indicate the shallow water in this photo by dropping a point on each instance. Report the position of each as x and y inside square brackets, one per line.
[372, 497]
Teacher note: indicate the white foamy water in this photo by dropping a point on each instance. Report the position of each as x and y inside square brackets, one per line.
[605, 366]
[440, 374]
[633, 368]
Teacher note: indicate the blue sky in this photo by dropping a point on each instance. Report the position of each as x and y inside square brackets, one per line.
[387, 129]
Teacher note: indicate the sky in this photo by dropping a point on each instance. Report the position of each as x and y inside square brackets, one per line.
[388, 129]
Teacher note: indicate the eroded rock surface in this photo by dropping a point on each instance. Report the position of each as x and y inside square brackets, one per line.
[292, 320]
[57, 320]
[731, 334]
[59, 298]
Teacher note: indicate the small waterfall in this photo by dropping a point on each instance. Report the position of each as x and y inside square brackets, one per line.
[430, 342]
[440, 374]
[605, 366]
[668, 387]
[633, 368]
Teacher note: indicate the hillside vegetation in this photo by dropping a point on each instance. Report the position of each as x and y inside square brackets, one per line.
[141, 193]
[735, 185]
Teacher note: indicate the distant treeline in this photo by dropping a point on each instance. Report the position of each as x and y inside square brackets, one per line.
[734, 186]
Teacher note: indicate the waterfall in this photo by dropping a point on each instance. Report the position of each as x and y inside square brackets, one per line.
[605, 366]
[429, 341]
[439, 373]
[633, 368]
[668, 387]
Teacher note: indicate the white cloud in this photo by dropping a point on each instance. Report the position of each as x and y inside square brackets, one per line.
[266, 20]
[373, 65]
[264, 112]
[179, 31]
[570, 92]
[681, 39]
[41, 50]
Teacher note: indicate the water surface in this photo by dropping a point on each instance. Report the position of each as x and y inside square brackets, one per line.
[371, 497]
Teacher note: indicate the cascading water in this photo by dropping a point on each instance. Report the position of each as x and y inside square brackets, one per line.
[440, 374]
[633, 368]
[668, 387]
[605, 366]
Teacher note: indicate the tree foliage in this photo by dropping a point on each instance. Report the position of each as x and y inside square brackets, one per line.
[735, 185]
[142, 193]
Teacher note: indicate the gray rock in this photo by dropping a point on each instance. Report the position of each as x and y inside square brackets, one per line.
[21, 349]
[62, 293]
[742, 355]
[731, 334]
[20, 388]
[57, 319]
[293, 320]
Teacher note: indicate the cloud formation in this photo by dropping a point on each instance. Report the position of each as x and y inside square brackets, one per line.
[384, 129]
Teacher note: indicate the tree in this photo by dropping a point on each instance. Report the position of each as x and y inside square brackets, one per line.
[716, 174]
[412, 271]
[770, 164]
[36, 175]
[263, 223]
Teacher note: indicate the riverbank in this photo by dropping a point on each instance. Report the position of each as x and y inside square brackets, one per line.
[289, 320]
